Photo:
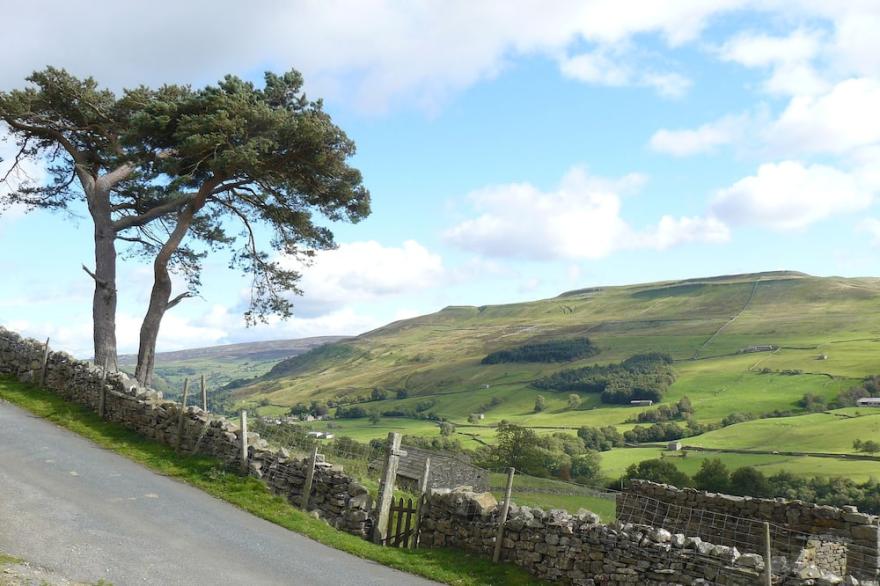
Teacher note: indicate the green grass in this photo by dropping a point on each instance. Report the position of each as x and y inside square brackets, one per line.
[548, 493]
[8, 560]
[437, 357]
[249, 494]
[615, 462]
[829, 432]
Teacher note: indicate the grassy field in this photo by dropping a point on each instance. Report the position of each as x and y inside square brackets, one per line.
[450, 567]
[827, 331]
[829, 432]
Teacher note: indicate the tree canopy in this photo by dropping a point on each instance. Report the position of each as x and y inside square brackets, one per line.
[84, 136]
[179, 172]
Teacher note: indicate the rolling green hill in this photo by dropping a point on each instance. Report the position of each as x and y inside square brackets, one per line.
[823, 336]
[222, 364]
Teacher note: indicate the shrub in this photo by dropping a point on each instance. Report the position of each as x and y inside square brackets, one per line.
[713, 476]
[659, 432]
[540, 403]
[661, 471]
[749, 481]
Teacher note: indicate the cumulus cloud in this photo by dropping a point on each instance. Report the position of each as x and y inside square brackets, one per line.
[374, 52]
[218, 325]
[790, 195]
[581, 219]
[840, 121]
[789, 57]
[843, 119]
[364, 271]
[601, 69]
[705, 138]
[671, 231]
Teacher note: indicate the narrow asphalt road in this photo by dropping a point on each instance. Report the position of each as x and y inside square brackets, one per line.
[90, 514]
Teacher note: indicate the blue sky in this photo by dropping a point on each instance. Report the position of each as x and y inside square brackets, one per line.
[513, 150]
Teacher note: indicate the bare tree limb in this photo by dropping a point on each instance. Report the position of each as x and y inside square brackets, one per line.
[115, 176]
[178, 299]
[101, 282]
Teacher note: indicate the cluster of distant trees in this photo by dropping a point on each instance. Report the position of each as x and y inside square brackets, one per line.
[317, 408]
[680, 410]
[868, 446]
[600, 439]
[870, 387]
[443, 443]
[558, 455]
[550, 351]
[421, 410]
[640, 377]
[714, 476]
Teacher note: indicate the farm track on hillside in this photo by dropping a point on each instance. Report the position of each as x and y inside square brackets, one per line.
[730, 321]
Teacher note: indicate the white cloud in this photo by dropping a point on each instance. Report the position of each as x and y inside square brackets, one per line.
[789, 57]
[374, 52]
[843, 119]
[790, 195]
[364, 271]
[581, 219]
[706, 138]
[25, 173]
[761, 50]
[218, 325]
[671, 231]
[599, 68]
[840, 121]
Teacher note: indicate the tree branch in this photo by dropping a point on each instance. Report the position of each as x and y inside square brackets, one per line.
[151, 214]
[100, 282]
[79, 160]
[178, 299]
[115, 176]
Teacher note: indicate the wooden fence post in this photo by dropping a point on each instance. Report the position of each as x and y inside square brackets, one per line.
[244, 443]
[768, 556]
[182, 415]
[386, 488]
[424, 485]
[499, 537]
[102, 392]
[204, 395]
[310, 477]
[45, 367]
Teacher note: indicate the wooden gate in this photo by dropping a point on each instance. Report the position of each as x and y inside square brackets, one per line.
[401, 524]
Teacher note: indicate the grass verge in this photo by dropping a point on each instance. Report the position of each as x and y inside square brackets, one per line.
[249, 494]
[8, 560]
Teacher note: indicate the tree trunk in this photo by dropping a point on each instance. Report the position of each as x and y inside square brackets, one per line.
[104, 299]
[161, 293]
[159, 297]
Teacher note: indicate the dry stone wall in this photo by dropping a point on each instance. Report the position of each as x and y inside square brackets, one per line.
[836, 538]
[336, 497]
[581, 550]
